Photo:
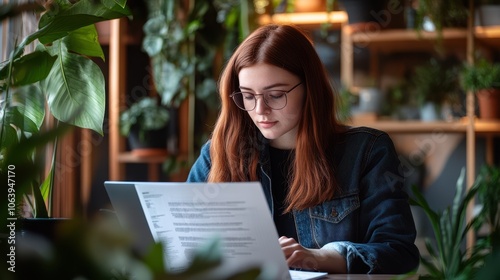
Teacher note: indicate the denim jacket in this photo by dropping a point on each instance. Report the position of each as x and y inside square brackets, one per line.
[370, 223]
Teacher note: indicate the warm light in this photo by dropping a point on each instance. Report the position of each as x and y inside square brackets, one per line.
[306, 18]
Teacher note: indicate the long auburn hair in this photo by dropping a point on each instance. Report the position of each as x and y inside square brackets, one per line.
[236, 142]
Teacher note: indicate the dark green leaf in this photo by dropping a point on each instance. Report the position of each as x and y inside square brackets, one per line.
[42, 194]
[75, 90]
[85, 41]
[32, 68]
[432, 268]
[81, 14]
[9, 137]
[30, 104]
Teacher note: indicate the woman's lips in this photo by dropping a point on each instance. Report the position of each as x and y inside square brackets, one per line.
[267, 124]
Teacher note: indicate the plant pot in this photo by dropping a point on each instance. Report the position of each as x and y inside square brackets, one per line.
[301, 6]
[370, 100]
[489, 104]
[429, 112]
[154, 142]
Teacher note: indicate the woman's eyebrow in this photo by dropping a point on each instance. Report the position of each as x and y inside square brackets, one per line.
[266, 87]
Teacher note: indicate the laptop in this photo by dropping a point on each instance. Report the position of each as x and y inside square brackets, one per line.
[184, 216]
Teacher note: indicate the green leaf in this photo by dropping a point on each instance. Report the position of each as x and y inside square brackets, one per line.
[75, 90]
[32, 68]
[81, 14]
[152, 45]
[9, 138]
[154, 259]
[44, 191]
[431, 267]
[85, 41]
[23, 156]
[40, 210]
[111, 3]
[30, 104]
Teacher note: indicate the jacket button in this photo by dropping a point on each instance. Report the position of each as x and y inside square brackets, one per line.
[334, 213]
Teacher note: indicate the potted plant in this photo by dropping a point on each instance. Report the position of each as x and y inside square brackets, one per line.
[448, 259]
[186, 60]
[434, 15]
[399, 104]
[145, 125]
[434, 83]
[488, 182]
[483, 78]
[59, 75]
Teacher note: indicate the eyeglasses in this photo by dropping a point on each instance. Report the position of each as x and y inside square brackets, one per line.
[274, 99]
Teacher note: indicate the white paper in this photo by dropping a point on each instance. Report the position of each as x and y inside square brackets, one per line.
[186, 217]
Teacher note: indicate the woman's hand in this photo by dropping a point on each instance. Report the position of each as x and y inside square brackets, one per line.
[311, 259]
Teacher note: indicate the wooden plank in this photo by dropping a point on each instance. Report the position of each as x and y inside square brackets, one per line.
[117, 66]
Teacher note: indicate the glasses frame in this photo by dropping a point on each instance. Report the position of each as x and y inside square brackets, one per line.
[285, 92]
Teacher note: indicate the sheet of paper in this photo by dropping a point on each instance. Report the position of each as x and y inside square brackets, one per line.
[186, 217]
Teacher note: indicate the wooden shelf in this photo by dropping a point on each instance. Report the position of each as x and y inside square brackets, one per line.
[129, 157]
[488, 127]
[488, 35]
[394, 40]
[394, 126]
[306, 20]
[415, 126]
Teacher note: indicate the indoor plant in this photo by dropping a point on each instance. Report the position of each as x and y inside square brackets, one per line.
[488, 182]
[448, 258]
[186, 60]
[436, 15]
[483, 78]
[145, 124]
[434, 83]
[60, 75]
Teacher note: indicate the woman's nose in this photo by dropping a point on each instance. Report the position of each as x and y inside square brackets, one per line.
[261, 106]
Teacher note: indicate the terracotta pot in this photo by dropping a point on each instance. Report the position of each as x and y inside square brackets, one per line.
[305, 6]
[489, 104]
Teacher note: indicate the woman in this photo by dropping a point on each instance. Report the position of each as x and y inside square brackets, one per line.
[335, 192]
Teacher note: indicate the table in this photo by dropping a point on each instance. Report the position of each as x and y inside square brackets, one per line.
[369, 277]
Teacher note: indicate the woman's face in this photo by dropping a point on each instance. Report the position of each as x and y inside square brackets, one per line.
[279, 126]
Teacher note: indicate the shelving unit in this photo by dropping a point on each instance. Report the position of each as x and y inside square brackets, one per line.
[403, 40]
[119, 39]
[465, 40]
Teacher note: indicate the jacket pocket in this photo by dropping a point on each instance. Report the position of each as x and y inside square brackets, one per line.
[336, 210]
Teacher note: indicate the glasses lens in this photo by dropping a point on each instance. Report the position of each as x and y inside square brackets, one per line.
[275, 99]
[245, 101]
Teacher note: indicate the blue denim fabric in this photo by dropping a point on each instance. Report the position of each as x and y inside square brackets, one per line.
[370, 222]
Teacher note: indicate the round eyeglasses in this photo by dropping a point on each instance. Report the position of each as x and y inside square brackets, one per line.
[274, 99]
